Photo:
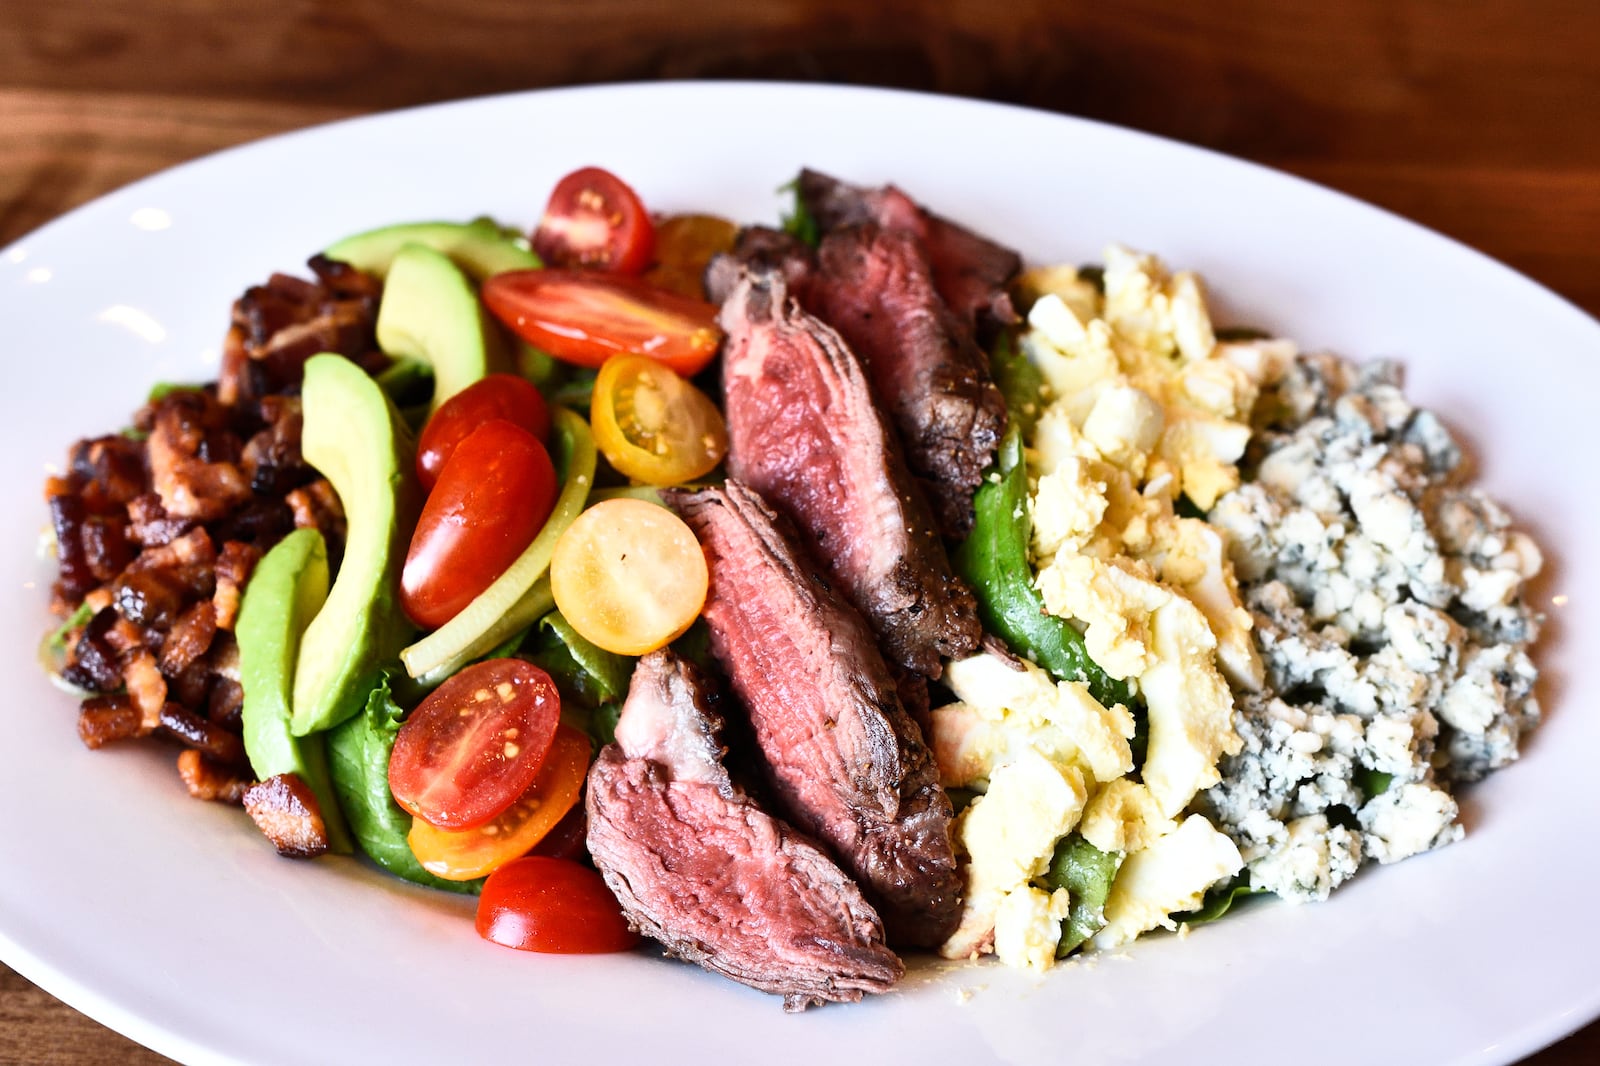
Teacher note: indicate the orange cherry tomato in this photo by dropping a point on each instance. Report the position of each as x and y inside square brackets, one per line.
[569, 839]
[476, 744]
[552, 905]
[491, 499]
[629, 575]
[463, 854]
[504, 396]
[596, 222]
[654, 426]
[685, 245]
[587, 318]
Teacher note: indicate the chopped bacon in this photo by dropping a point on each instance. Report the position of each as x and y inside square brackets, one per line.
[208, 780]
[182, 724]
[285, 810]
[317, 506]
[147, 688]
[189, 638]
[103, 719]
[190, 484]
[159, 528]
[234, 566]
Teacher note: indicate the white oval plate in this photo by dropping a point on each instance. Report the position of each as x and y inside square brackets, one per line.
[174, 922]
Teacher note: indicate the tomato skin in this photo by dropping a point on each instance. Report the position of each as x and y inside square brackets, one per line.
[552, 905]
[654, 426]
[629, 575]
[475, 744]
[504, 396]
[685, 246]
[595, 221]
[491, 499]
[587, 318]
[463, 854]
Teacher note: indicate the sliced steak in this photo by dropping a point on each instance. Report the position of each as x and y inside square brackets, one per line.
[846, 761]
[804, 431]
[972, 272]
[760, 249]
[874, 286]
[699, 867]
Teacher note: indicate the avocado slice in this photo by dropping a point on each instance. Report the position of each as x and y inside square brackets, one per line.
[285, 591]
[431, 312]
[479, 247]
[354, 437]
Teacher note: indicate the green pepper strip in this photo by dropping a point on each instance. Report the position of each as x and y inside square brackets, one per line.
[994, 561]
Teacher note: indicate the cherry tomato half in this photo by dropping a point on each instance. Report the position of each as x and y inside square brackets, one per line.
[654, 426]
[504, 396]
[462, 854]
[587, 318]
[552, 905]
[569, 839]
[596, 222]
[629, 576]
[475, 744]
[491, 499]
[685, 245]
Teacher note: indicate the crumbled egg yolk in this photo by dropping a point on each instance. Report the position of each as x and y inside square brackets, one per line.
[1145, 407]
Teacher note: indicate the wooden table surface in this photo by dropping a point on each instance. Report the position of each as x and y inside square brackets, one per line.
[1480, 119]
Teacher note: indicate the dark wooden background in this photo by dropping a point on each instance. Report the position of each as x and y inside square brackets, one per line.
[1480, 118]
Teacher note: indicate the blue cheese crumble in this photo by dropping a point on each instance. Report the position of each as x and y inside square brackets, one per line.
[1388, 603]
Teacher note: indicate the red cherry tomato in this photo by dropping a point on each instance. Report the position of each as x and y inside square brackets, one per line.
[504, 396]
[491, 499]
[538, 903]
[596, 222]
[475, 744]
[587, 318]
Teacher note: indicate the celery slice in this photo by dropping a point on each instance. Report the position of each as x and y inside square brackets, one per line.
[486, 621]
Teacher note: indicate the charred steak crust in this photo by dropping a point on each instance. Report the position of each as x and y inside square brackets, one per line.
[973, 273]
[847, 762]
[761, 249]
[875, 287]
[699, 867]
[806, 433]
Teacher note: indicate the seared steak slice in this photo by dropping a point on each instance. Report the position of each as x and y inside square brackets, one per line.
[699, 867]
[873, 285]
[972, 272]
[845, 759]
[803, 431]
[761, 249]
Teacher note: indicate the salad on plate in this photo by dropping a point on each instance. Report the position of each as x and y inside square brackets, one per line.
[795, 597]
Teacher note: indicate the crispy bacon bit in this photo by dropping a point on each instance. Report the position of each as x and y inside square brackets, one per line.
[286, 812]
[234, 566]
[158, 530]
[94, 665]
[146, 687]
[189, 638]
[184, 725]
[207, 780]
[193, 479]
[151, 525]
[103, 719]
[317, 505]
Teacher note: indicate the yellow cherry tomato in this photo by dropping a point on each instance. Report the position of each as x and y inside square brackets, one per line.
[463, 854]
[629, 576]
[654, 426]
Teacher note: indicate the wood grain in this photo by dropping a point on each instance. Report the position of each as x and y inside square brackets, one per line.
[1478, 119]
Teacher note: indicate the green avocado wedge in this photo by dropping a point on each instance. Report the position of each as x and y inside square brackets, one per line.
[285, 591]
[430, 312]
[481, 247]
[354, 437]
